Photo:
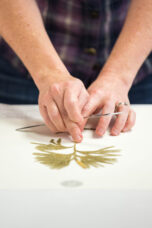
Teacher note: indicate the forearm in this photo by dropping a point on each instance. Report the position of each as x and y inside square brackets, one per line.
[134, 43]
[22, 28]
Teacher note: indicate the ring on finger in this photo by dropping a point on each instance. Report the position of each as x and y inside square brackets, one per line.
[121, 104]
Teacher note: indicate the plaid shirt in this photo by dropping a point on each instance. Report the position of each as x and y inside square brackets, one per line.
[83, 33]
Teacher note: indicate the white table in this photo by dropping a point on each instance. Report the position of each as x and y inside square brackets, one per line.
[33, 195]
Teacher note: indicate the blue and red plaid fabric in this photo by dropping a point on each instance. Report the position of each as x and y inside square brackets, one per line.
[83, 33]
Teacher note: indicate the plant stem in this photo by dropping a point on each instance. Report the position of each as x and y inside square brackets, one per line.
[74, 152]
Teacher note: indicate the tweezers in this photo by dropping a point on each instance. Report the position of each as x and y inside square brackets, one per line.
[89, 117]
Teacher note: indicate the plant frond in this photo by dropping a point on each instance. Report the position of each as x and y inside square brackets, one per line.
[99, 151]
[53, 160]
[50, 147]
[84, 159]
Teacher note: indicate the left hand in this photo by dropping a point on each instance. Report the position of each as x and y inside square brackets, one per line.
[105, 93]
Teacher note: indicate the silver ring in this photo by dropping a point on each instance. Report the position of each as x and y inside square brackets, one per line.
[122, 103]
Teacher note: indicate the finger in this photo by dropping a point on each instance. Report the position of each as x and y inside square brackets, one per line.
[97, 111]
[46, 118]
[71, 127]
[120, 120]
[92, 104]
[55, 117]
[82, 126]
[83, 98]
[105, 120]
[57, 93]
[71, 103]
[130, 121]
[74, 131]
[59, 97]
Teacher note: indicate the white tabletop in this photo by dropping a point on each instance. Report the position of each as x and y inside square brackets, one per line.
[34, 195]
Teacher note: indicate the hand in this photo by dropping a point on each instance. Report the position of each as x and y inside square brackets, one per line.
[105, 93]
[61, 100]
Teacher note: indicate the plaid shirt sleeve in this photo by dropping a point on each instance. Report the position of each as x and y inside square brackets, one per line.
[83, 33]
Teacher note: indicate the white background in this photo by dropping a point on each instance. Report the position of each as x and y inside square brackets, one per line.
[32, 195]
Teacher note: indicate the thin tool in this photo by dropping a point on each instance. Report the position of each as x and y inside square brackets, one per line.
[89, 117]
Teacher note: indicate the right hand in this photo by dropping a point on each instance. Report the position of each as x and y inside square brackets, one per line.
[61, 100]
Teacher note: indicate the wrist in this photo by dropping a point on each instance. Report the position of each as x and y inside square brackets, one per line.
[119, 73]
[115, 77]
[47, 66]
[48, 75]
[44, 61]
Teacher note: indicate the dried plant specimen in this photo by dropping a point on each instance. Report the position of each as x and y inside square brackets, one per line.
[85, 159]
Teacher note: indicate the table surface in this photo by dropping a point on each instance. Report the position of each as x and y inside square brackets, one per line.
[34, 195]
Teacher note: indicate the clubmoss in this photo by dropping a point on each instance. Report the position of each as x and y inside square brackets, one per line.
[84, 159]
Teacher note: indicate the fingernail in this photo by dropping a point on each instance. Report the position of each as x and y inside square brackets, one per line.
[78, 138]
[125, 129]
[99, 132]
[114, 133]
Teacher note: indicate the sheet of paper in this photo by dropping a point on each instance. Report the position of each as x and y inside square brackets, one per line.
[19, 168]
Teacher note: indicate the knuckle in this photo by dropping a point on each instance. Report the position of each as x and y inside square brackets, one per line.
[109, 107]
[94, 92]
[55, 88]
[54, 114]
[69, 83]
[98, 92]
[120, 123]
[71, 102]
[111, 98]
[116, 128]
[110, 101]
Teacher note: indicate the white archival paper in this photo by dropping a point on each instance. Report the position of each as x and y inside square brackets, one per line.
[19, 168]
